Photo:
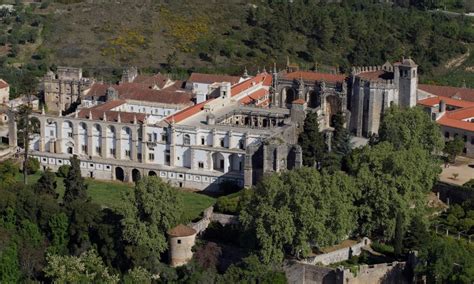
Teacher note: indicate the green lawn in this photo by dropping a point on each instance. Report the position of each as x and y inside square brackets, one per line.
[108, 193]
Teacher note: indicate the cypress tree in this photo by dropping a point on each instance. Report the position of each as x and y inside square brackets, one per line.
[341, 143]
[311, 141]
[398, 241]
[75, 186]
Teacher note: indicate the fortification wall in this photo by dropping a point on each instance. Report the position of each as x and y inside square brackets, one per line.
[374, 274]
[338, 255]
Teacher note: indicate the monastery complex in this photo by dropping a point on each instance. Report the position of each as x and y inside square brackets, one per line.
[213, 129]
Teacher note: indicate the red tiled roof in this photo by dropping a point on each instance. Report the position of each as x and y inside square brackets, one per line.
[242, 86]
[315, 76]
[181, 231]
[212, 78]
[187, 112]
[449, 92]
[299, 102]
[138, 92]
[125, 117]
[150, 81]
[3, 84]
[258, 94]
[376, 75]
[433, 101]
[454, 123]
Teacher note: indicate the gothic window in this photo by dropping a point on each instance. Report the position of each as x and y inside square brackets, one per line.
[186, 139]
[127, 153]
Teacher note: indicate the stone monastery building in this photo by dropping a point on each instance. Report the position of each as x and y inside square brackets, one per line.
[212, 129]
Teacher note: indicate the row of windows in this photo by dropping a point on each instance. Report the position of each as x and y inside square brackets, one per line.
[448, 135]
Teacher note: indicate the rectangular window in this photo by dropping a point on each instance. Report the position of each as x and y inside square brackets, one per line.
[203, 142]
[446, 134]
[51, 133]
[69, 134]
[155, 137]
[84, 148]
[164, 137]
[201, 165]
[167, 158]
[127, 153]
[98, 150]
[151, 157]
[222, 143]
[241, 144]
[112, 151]
[464, 138]
[149, 137]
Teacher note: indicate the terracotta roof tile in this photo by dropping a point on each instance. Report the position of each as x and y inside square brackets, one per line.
[315, 76]
[181, 231]
[187, 112]
[138, 92]
[449, 92]
[299, 102]
[212, 78]
[433, 101]
[376, 75]
[459, 124]
[159, 80]
[3, 84]
[258, 94]
[242, 86]
[125, 117]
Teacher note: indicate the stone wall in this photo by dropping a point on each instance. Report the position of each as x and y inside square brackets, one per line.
[338, 255]
[374, 274]
[209, 216]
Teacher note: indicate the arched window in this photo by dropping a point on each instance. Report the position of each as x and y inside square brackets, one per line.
[186, 139]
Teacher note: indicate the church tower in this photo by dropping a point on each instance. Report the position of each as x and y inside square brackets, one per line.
[406, 78]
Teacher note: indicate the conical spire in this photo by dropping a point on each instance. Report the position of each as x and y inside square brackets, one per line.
[119, 120]
[246, 73]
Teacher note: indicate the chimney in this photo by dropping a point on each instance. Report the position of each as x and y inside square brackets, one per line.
[442, 106]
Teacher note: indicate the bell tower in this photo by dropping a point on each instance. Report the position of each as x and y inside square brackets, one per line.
[406, 77]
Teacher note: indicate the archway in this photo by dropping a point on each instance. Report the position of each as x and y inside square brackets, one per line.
[288, 95]
[333, 106]
[218, 162]
[119, 174]
[136, 176]
[152, 174]
[70, 148]
[313, 100]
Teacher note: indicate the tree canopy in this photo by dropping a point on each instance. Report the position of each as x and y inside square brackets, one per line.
[311, 141]
[299, 208]
[412, 127]
[149, 211]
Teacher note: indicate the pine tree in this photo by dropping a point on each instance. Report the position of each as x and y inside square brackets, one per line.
[46, 184]
[312, 141]
[75, 186]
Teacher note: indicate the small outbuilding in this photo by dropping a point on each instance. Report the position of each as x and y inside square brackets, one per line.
[181, 239]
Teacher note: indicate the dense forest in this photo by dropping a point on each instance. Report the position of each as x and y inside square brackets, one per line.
[178, 38]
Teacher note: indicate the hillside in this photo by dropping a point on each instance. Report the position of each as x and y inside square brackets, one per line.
[225, 36]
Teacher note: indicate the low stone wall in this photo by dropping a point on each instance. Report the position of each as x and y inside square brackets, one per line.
[338, 255]
[373, 274]
[209, 216]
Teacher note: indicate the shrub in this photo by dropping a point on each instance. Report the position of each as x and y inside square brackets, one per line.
[228, 205]
[63, 171]
[32, 165]
[382, 248]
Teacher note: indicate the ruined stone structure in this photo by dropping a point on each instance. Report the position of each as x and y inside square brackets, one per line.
[64, 88]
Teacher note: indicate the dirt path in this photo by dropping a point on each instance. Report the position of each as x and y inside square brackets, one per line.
[458, 61]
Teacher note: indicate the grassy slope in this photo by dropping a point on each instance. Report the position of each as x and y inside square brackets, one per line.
[109, 194]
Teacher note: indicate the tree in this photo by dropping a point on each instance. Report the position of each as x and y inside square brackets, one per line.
[311, 141]
[9, 266]
[454, 148]
[75, 186]
[417, 234]
[32, 165]
[26, 125]
[398, 239]
[63, 171]
[412, 127]
[287, 212]
[87, 268]
[208, 255]
[8, 171]
[138, 275]
[151, 209]
[391, 181]
[58, 226]
[46, 184]
[252, 270]
[341, 142]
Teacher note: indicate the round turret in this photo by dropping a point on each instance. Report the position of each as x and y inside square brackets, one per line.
[181, 240]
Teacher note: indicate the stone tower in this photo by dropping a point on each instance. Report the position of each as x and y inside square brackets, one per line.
[181, 240]
[406, 77]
